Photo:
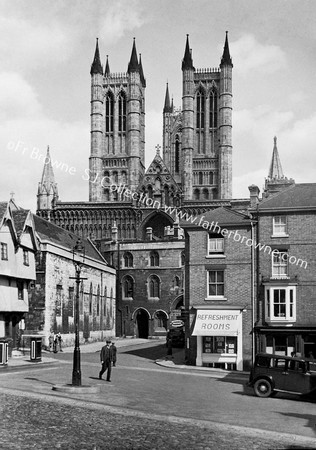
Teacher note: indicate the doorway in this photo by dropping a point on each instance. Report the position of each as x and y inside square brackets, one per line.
[142, 324]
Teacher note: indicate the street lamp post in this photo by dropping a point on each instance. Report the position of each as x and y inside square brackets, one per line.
[78, 260]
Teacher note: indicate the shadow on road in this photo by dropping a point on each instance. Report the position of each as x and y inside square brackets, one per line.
[153, 353]
[309, 418]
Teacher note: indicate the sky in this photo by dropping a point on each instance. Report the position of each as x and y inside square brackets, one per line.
[46, 51]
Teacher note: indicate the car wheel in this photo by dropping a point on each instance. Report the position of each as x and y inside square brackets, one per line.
[263, 388]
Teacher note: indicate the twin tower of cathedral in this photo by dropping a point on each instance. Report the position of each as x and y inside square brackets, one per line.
[196, 160]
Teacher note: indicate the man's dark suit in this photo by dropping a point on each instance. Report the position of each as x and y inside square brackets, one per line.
[106, 360]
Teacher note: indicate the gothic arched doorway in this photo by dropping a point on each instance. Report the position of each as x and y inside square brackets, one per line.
[142, 324]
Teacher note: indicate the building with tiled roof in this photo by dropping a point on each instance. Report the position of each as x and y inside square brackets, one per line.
[17, 270]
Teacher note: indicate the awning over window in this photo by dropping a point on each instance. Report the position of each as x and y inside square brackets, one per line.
[224, 322]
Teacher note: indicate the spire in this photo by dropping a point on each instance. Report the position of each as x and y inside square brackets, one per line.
[48, 177]
[133, 63]
[187, 62]
[167, 107]
[275, 171]
[96, 66]
[107, 71]
[141, 72]
[226, 59]
[47, 193]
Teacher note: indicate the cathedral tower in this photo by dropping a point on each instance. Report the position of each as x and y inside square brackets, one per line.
[201, 134]
[117, 128]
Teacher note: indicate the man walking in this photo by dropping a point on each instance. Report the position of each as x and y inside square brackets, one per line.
[106, 360]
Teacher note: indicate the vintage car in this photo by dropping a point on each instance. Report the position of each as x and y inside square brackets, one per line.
[275, 373]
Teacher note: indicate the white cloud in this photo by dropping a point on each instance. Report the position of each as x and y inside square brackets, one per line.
[250, 55]
[30, 46]
[17, 97]
[119, 19]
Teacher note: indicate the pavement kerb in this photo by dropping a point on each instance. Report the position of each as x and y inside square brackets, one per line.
[171, 365]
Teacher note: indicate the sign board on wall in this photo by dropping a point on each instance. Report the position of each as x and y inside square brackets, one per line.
[217, 322]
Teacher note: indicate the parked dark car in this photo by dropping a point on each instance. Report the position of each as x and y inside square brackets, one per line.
[274, 373]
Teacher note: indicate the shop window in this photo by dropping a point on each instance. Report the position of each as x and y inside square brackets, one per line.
[4, 251]
[220, 344]
[280, 303]
[279, 264]
[26, 260]
[215, 283]
[279, 226]
[215, 244]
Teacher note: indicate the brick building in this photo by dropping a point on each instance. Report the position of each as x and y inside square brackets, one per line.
[52, 299]
[219, 289]
[286, 319]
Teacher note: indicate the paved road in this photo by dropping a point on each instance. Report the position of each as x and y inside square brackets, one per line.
[145, 407]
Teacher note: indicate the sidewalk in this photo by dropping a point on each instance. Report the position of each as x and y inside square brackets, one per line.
[176, 361]
[24, 360]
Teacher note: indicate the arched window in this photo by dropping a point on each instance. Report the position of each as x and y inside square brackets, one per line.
[200, 177]
[128, 259]
[205, 194]
[196, 194]
[128, 287]
[211, 178]
[177, 155]
[213, 109]
[121, 112]
[90, 299]
[200, 109]
[115, 177]
[182, 259]
[150, 192]
[106, 195]
[154, 259]
[98, 300]
[166, 191]
[109, 113]
[154, 286]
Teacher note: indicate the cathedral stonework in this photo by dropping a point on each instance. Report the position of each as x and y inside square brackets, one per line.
[133, 214]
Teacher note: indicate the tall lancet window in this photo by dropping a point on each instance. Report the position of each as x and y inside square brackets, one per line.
[200, 110]
[213, 109]
[122, 112]
[109, 113]
[177, 155]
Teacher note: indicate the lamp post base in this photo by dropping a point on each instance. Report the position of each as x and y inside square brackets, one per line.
[76, 373]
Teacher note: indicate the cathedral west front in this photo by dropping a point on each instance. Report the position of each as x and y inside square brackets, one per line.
[127, 213]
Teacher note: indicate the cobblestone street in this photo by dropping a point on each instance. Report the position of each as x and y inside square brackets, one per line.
[36, 424]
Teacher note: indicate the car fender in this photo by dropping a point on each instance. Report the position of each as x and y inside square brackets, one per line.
[263, 377]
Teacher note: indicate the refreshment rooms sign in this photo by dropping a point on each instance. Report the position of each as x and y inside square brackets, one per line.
[217, 323]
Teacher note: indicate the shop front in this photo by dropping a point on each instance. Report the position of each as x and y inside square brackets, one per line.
[288, 340]
[219, 338]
